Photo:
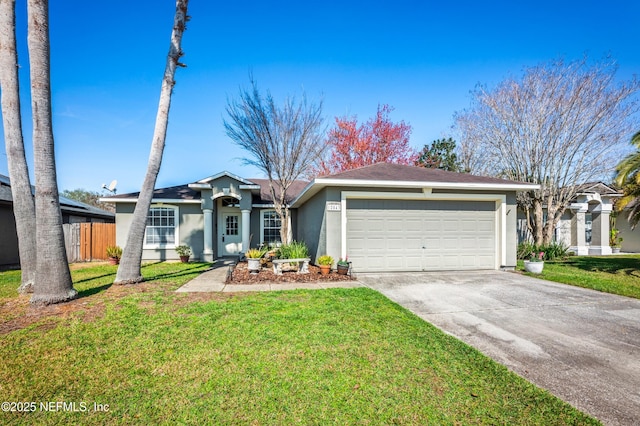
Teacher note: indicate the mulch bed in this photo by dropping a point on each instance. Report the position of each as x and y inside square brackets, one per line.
[241, 275]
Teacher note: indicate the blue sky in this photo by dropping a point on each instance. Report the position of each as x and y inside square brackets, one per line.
[421, 57]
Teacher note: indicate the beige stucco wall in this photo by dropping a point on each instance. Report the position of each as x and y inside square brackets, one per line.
[631, 243]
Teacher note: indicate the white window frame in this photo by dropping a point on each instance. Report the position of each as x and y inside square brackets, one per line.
[176, 213]
[262, 217]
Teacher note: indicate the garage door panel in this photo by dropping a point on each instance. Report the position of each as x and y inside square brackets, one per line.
[420, 235]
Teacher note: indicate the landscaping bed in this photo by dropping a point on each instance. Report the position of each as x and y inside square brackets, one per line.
[145, 354]
[241, 275]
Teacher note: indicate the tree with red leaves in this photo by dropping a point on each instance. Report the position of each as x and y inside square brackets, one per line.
[378, 140]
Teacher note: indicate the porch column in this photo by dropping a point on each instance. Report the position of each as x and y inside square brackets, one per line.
[600, 229]
[246, 229]
[578, 237]
[207, 254]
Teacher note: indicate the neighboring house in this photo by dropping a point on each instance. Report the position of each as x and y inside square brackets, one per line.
[72, 212]
[384, 217]
[631, 237]
[584, 226]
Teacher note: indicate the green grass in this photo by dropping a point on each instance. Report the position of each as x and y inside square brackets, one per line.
[610, 274]
[340, 356]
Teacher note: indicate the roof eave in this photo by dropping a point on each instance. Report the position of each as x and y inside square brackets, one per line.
[154, 200]
[319, 183]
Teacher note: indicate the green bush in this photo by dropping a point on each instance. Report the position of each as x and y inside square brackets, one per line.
[293, 250]
[325, 260]
[552, 251]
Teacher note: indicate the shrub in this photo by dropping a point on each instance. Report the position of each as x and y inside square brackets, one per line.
[293, 250]
[114, 252]
[325, 260]
[183, 250]
[255, 253]
[552, 251]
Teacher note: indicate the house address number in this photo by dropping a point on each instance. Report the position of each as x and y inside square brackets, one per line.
[333, 206]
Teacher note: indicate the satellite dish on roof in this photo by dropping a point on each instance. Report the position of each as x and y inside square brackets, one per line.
[112, 186]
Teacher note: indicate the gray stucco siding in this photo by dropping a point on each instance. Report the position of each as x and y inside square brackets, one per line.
[322, 229]
[312, 227]
[9, 240]
[189, 232]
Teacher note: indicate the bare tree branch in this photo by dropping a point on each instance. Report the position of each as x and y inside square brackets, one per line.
[560, 125]
[283, 142]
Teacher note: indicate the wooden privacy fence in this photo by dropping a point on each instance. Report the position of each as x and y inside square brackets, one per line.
[88, 241]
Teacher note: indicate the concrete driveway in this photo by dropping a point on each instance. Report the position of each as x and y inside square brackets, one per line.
[581, 345]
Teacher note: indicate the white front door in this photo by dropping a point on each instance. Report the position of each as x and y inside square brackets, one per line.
[230, 234]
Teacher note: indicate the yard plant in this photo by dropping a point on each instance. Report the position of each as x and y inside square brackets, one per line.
[293, 250]
[610, 274]
[339, 356]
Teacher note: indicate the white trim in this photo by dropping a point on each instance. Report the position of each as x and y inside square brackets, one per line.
[500, 216]
[221, 211]
[262, 212]
[319, 183]
[428, 184]
[267, 206]
[153, 201]
[228, 194]
[176, 233]
[225, 173]
[199, 186]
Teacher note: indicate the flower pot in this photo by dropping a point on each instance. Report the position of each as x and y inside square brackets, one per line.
[615, 250]
[325, 269]
[114, 261]
[184, 259]
[253, 265]
[533, 267]
[343, 269]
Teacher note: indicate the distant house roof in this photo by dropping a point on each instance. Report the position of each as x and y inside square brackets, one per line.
[67, 205]
[598, 188]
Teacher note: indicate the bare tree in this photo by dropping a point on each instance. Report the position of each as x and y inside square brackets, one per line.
[129, 270]
[561, 125]
[284, 142]
[24, 209]
[53, 280]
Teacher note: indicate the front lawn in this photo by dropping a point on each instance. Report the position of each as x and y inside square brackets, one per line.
[147, 355]
[610, 274]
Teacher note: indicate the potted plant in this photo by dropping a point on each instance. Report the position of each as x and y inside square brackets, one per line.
[535, 263]
[184, 252]
[614, 240]
[253, 259]
[114, 253]
[343, 266]
[324, 263]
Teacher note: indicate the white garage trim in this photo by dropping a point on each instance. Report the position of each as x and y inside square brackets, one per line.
[427, 194]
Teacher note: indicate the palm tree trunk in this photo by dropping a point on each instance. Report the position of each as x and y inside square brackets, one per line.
[129, 271]
[53, 280]
[24, 209]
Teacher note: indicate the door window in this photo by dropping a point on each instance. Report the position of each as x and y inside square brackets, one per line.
[231, 225]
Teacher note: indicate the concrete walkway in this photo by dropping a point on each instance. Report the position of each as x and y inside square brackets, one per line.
[580, 344]
[214, 281]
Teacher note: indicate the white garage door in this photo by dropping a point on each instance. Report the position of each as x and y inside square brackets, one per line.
[407, 235]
